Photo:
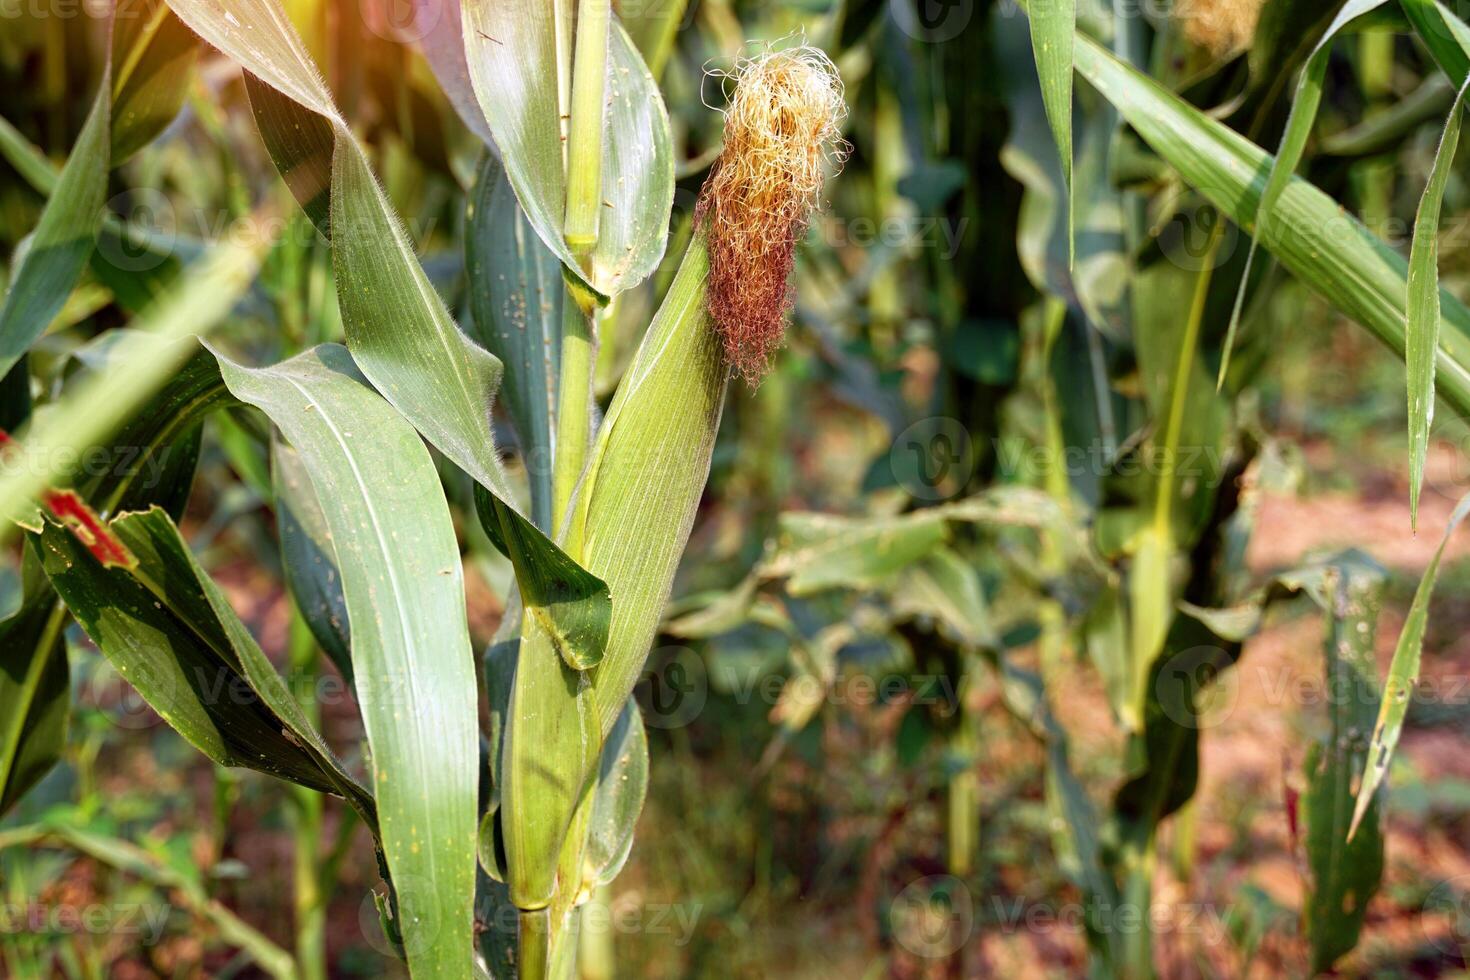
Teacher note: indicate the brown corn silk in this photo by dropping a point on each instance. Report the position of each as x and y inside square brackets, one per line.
[781, 136]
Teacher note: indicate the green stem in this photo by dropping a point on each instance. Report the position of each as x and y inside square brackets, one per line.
[595, 942]
[535, 944]
[584, 141]
[574, 411]
[305, 819]
[964, 796]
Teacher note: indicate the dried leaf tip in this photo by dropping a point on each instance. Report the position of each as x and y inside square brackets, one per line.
[782, 135]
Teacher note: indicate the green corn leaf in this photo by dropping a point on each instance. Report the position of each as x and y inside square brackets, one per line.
[1299, 123]
[1421, 336]
[622, 784]
[517, 69]
[943, 585]
[55, 252]
[401, 577]
[1053, 23]
[398, 330]
[309, 558]
[259, 35]
[1328, 250]
[1403, 674]
[170, 633]
[1345, 872]
[822, 551]
[1445, 35]
[156, 457]
[400, 334]
[516, 295]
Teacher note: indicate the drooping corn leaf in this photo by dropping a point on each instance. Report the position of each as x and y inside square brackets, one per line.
[53, 255]
[516, 296]
[1403, 674]
[945, 586]
[1299, 123]
[401, 578]
[259, 35]
[398, 330]
[1345, 872]
[170, 633]
[309, 558]
[1053, 23]
[1421, 335]
[1327, 249]
[151, 460]
[517, 70]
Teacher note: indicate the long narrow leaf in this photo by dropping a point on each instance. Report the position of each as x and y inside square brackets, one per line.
[1403, 674]
[1299, 122]
[1053, 24]
[58, 248]
[1328, 250]
[405, 600]
[1421, 338]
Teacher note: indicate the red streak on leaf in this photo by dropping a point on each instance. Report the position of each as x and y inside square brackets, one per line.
[71, 510]
[1292, 798]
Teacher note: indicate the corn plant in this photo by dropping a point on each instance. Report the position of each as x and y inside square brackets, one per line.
[569, 209]
[553, 405]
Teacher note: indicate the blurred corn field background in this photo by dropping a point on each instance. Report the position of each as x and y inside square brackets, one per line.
[422, 555]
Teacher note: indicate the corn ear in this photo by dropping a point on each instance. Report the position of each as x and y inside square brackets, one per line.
[632, 516]
[647, 474]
